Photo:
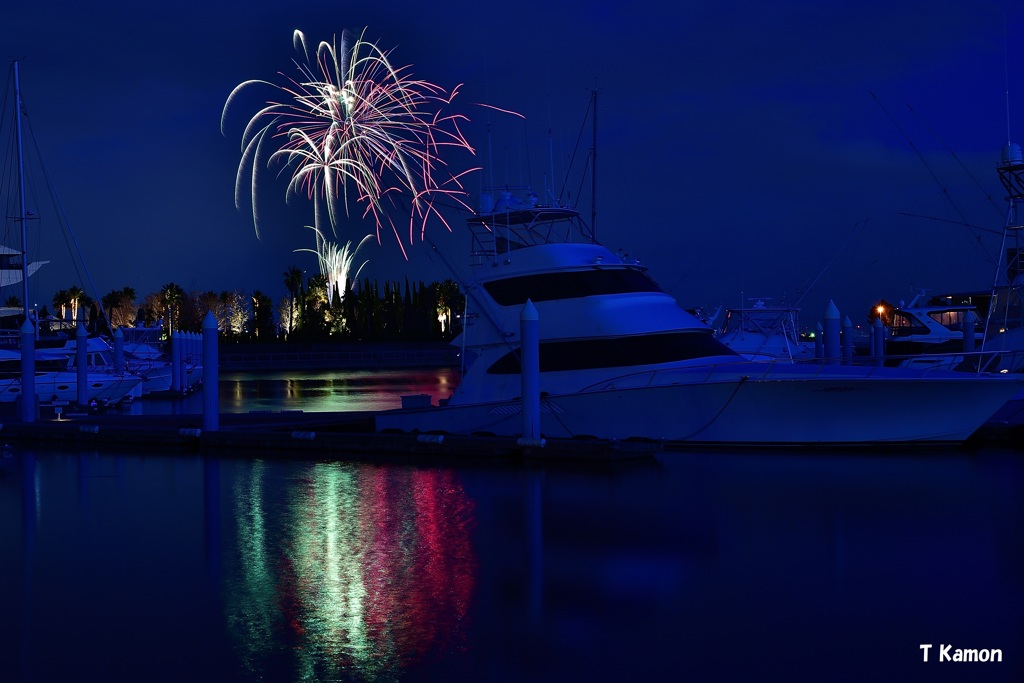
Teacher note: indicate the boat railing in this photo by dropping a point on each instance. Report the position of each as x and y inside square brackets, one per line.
[975, 363]
[509, 224]
[982, 362]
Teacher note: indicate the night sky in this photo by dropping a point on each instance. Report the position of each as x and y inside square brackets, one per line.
[740, 150]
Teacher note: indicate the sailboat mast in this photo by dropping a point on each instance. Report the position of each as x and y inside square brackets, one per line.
[21, 193]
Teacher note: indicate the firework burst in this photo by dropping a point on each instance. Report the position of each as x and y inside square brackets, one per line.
[336, 262]
[354, 130]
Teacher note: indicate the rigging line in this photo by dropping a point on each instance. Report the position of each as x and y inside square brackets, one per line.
[575, 149]
[66, 223]
[467, 288]
[809, 287]
[554, 410]
[946, 220]
[742, 380]
[931, 172]
[988, 195]
[583, 177]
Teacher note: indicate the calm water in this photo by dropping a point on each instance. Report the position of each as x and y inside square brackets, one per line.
[312, 391]
[776, 565]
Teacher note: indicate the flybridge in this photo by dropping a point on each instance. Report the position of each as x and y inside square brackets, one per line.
[511, 222]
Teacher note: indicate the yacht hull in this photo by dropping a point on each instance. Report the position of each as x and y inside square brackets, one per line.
[744, 410]
[62, 387]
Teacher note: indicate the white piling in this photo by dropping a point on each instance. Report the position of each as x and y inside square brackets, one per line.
[28, 372]
[878, 341]
[176, 362]
[819, 344]
[968, 335]
[82, 364]
[118, 350]
[831, 333]
[211, 396]
[529, 356]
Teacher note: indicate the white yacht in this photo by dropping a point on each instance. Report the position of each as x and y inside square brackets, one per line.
[146, 354]
[100, 365]
[57, 384]
[934, 332]
[765, 332]
[620, 359]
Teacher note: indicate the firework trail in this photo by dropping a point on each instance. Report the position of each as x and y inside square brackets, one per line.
[353, 129]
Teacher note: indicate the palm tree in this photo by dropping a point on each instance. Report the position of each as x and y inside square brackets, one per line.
[448, 298]
[78, 300]
[262, 316]
[172, 295]
[120, 306]
[61, 302]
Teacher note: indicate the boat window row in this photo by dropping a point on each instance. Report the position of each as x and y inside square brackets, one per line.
[515, 291]
[905, 324]
[587, 354]
[955, 320]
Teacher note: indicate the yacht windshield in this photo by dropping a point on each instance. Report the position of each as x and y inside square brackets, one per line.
[514, 291]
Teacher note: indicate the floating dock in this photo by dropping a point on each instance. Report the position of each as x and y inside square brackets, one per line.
[351, 436]
[289, 434]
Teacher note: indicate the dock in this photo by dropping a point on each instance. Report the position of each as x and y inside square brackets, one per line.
[352, 436]
[295, 434]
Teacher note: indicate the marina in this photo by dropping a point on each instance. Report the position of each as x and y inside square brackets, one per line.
[330, 414]
[605, 488]
[566, 339]
[722, 564]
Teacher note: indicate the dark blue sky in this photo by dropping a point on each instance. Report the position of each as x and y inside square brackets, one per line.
[740, 148]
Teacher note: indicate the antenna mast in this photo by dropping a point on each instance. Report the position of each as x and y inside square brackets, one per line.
[593, 174]
[1006, 72]
[21, 191]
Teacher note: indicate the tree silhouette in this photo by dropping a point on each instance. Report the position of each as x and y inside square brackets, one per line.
[171, 295]
[293, 283]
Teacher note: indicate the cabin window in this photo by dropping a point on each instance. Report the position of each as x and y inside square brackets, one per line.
[954, 320]
[904, 325]
[584, 354]
[515, 291]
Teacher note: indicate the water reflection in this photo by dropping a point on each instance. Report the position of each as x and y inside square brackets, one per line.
[348, 569]
[331, 391]
[311, 391]
[699, 565]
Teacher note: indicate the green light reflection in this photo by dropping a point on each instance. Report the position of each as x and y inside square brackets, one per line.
[349, 570]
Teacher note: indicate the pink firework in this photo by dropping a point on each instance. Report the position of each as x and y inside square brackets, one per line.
[355, 130]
